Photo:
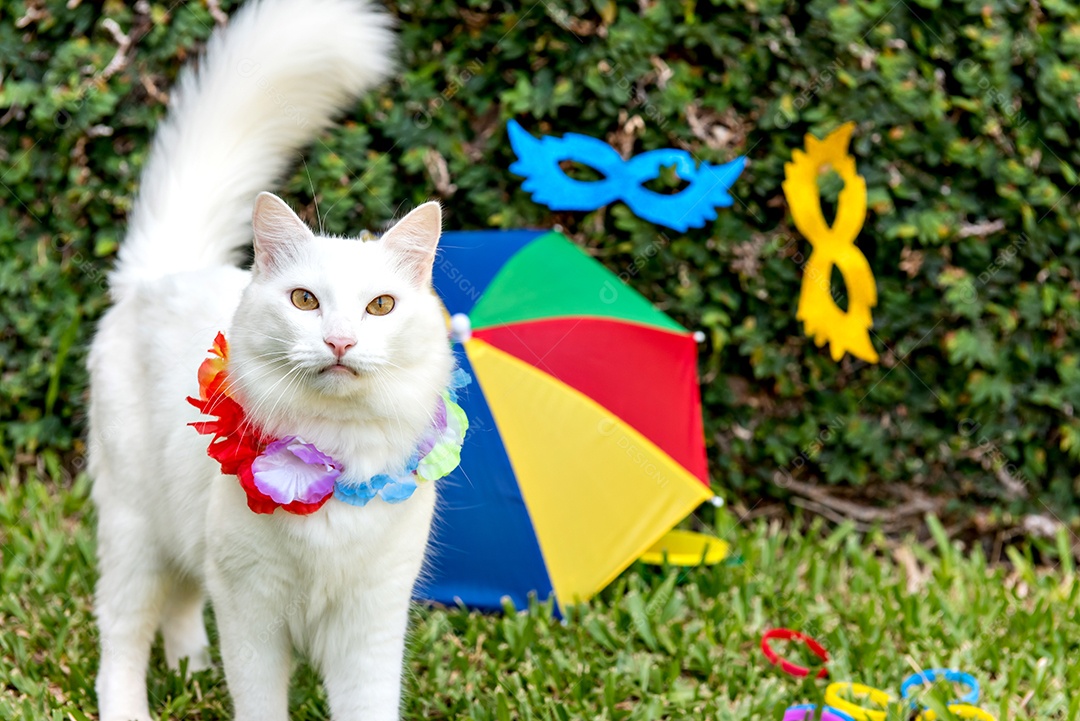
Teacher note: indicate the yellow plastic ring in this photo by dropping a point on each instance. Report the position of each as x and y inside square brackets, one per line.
[961, 710]
[859, 713]
[686, 548]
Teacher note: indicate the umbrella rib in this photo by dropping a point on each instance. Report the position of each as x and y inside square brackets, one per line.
[540, 359]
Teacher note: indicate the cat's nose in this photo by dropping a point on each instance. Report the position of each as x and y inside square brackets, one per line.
[340, 344]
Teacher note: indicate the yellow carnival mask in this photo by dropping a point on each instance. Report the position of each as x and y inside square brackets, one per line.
[833, 245]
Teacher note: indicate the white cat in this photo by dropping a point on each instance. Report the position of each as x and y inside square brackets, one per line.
[310, 357]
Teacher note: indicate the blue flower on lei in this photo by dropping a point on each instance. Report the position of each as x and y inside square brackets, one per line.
[436, 455]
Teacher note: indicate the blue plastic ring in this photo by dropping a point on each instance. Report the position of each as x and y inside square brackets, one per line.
[931, 675]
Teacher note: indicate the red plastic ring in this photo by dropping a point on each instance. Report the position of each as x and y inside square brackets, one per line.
[786, 634]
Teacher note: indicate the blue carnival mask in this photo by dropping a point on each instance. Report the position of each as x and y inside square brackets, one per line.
[538, 161]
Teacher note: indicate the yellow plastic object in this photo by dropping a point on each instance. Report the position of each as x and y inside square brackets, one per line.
[859, 713]
[686, 548]
[960, 710]
[833, 245]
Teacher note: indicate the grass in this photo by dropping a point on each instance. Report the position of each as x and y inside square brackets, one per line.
[659, 643]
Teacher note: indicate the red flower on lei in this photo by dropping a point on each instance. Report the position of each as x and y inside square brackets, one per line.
[237, 442]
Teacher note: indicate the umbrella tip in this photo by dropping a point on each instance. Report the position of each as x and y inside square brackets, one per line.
[460, 328]
[699, 336]
[717, 501]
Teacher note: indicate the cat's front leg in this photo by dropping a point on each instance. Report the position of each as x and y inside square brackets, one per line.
[361, 658]
[359, 643]
[255, 647]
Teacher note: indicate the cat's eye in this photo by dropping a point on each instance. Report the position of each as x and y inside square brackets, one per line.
[381, 305]
[304, 299]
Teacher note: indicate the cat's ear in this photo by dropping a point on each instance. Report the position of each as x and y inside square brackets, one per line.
[413, 239]
[278, 232]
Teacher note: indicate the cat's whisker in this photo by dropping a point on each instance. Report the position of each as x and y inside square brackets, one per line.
[239, 329]
[255, 412]
[297, 375]
[251, 375]
[427, 411]
[314, 196]
[429, 386]
[232, 382]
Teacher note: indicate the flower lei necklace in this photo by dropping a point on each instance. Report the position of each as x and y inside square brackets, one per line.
[294, 475]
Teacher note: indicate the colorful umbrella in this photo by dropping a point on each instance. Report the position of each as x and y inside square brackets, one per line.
[585, 443]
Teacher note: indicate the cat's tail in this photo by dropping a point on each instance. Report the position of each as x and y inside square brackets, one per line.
[267, 85]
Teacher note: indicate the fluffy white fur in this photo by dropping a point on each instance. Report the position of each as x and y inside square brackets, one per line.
[335, 584]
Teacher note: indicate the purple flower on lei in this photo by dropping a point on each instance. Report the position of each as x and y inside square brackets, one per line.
[291, 470]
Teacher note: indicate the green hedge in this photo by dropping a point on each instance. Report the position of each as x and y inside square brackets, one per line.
[966, 116]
